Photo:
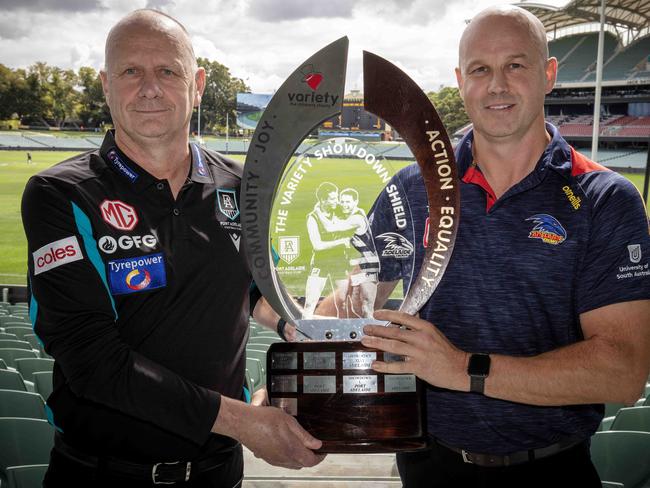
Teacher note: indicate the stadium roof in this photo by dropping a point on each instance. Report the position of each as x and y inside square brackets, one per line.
[631, 16]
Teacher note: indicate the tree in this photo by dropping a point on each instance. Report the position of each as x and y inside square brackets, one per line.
[92, 104]
[450, 107]
[220, 95]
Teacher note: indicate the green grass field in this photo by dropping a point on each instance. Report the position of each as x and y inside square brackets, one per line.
[14, 173]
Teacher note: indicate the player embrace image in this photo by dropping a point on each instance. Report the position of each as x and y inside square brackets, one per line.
[337, 221]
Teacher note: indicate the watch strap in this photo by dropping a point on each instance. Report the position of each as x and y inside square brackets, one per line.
[477, 384]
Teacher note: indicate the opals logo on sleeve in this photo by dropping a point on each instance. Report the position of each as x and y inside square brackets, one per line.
[135, 274]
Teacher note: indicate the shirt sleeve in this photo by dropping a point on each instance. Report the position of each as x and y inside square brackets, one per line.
[615, 267]
[387, 227]
[75, 317]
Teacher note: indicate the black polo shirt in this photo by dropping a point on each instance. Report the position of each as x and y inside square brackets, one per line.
[141, 299]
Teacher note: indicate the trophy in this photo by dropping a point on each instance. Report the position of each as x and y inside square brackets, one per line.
[310, 214]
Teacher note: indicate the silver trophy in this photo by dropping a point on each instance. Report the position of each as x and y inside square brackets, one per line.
[310, 214]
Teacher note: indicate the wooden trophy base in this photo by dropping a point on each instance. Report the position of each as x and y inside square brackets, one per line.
[335, 395]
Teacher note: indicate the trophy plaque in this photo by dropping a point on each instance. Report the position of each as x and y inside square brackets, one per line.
[329, 231]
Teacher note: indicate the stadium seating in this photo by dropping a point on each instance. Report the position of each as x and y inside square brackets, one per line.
[28, 366]
[580, 58]
[15, 403]
[19, 330]
[43, 383]
[11, 380]
[10, 355]
[15, 343]
[30, 476]
[634, 419]
[24, 441]
[622, 457]
[624, 64]
[7, 335]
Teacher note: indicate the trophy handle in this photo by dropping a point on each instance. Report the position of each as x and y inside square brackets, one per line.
[392, 95]
[312, 94]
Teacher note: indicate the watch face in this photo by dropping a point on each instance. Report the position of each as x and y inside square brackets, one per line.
[479, 365]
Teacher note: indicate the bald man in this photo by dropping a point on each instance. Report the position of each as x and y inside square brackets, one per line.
[543, 314]
[140, 292]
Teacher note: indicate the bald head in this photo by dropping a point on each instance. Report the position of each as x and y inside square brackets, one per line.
[493, 17]
[149, 22]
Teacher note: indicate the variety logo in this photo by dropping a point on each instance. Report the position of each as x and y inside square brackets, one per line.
[56, 254]
[311, 77]
[109, 244]
[135, 274]
[634, 251]
[396, 245]
[119, 214]
[548, 229]
[227, 200]
[313, 80]
[122, 168]
[289, 248]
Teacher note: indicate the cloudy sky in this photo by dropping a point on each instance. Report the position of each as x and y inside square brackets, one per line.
[261, 41]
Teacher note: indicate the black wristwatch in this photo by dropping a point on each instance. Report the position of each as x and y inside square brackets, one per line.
[478, 369]
[280, 328]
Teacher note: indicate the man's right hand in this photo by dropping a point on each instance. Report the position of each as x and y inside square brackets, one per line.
[269, 433]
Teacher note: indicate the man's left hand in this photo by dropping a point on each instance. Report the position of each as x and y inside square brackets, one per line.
[427, 353]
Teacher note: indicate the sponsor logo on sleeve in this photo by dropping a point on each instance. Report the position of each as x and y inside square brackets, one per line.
[547, 229]
[140, 273]
[634, 250]
[56, 253]
[118, 214]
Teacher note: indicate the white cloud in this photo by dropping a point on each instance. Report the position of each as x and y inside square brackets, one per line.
[261, 41]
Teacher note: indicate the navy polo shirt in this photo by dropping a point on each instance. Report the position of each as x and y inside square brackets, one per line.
[570, 237]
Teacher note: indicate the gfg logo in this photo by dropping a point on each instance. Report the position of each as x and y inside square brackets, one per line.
[109, 244]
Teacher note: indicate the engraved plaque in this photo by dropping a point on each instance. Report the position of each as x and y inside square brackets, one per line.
[360, 384]
[390, 357]
[289, 405]
[319, 384]
[319, 360]
[358, 359]
[284, 383]
[285, 360]
[399, 383]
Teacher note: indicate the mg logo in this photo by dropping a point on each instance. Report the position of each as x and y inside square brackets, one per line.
[119, 214]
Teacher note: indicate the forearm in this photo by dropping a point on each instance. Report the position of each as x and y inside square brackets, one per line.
[265, 315]
[590, 371]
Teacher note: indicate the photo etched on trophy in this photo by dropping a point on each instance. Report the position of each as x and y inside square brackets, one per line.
[330, 234]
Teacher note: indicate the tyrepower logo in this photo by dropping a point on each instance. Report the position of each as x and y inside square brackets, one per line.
[119, 214]
[57, 253]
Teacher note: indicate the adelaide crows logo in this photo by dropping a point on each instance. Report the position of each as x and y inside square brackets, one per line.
[548, 229]
[396, 245]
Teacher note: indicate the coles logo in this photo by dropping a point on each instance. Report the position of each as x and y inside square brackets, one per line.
[56, 253]
[119, 214]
